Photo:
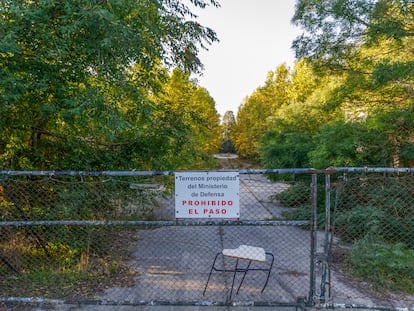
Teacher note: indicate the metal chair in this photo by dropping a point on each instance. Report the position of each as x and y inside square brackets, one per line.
[243, 252]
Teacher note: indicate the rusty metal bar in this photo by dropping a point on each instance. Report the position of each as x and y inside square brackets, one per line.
[313, 232]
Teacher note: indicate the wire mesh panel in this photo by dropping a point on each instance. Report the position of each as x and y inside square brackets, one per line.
[181, 272]
[343, 239]
[372, 245]
[110, 238]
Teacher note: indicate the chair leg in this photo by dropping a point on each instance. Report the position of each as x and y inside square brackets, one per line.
[244, 275]
[236, 270]
[211, 271]
[234, 277]
[270, 270]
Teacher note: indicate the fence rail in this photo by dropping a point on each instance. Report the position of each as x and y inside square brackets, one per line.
[340, 237]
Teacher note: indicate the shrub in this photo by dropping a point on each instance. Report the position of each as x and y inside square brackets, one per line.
[355, 224]
[386, 266]
[294, 196]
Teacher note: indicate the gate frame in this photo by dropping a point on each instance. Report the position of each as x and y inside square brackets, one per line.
[328, 235]
[301, 302]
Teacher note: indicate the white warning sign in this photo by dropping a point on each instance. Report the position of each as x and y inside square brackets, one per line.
[207, 195]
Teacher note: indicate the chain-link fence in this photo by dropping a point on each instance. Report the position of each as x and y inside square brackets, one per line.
[371, 245]
[338, 238]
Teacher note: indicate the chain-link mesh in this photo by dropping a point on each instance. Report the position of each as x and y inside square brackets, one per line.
[115, 239]
[372, 246]
[336, 240]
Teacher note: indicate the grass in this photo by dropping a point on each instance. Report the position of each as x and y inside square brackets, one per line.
[388, 267]
[380, 234]
[64, 273]
[69, 284]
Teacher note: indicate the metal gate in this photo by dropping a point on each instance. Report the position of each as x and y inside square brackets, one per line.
[368, 250]
[113, 238]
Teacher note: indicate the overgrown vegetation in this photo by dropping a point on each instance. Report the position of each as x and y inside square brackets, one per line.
[92, 85]
[297, 198]
[386, 266]
[105, 85]
[62, 261]
[373, 218]
[376, 215]
[347, 101]
[79, 262]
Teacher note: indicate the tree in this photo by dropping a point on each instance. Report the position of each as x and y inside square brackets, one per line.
[70, 97]
[370, 40]
[370, 44]
[187, 125]
[285, 150]
[333, 29]
[258, 111]
[226, 127]
[250, 125]
[349, 144]
[289, 138]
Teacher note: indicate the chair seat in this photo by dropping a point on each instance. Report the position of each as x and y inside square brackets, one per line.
[243, 252]
[246, 252]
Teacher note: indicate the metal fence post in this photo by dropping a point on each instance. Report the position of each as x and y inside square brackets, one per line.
[326, 239]
[314, 229]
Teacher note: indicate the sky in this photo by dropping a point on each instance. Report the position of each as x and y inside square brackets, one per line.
[255, 37]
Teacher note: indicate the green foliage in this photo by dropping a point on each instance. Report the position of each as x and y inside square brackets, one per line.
[187, 125]
[349, 144]
[91, 198]
[285, 150]
[298, 198]
[294, 196]
[376, 207]
[367, 46]
[256, 114]
[390, 19]
[359, 222]
[391, 71]
[386, 266]
[227, 147]
[375, 215]
[76, 79]
[407, 154]
[227, 125]
[59, 270]
[332, 30]
[55, 252]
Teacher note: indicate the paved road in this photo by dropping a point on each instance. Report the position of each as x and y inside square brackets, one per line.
[172, 263]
